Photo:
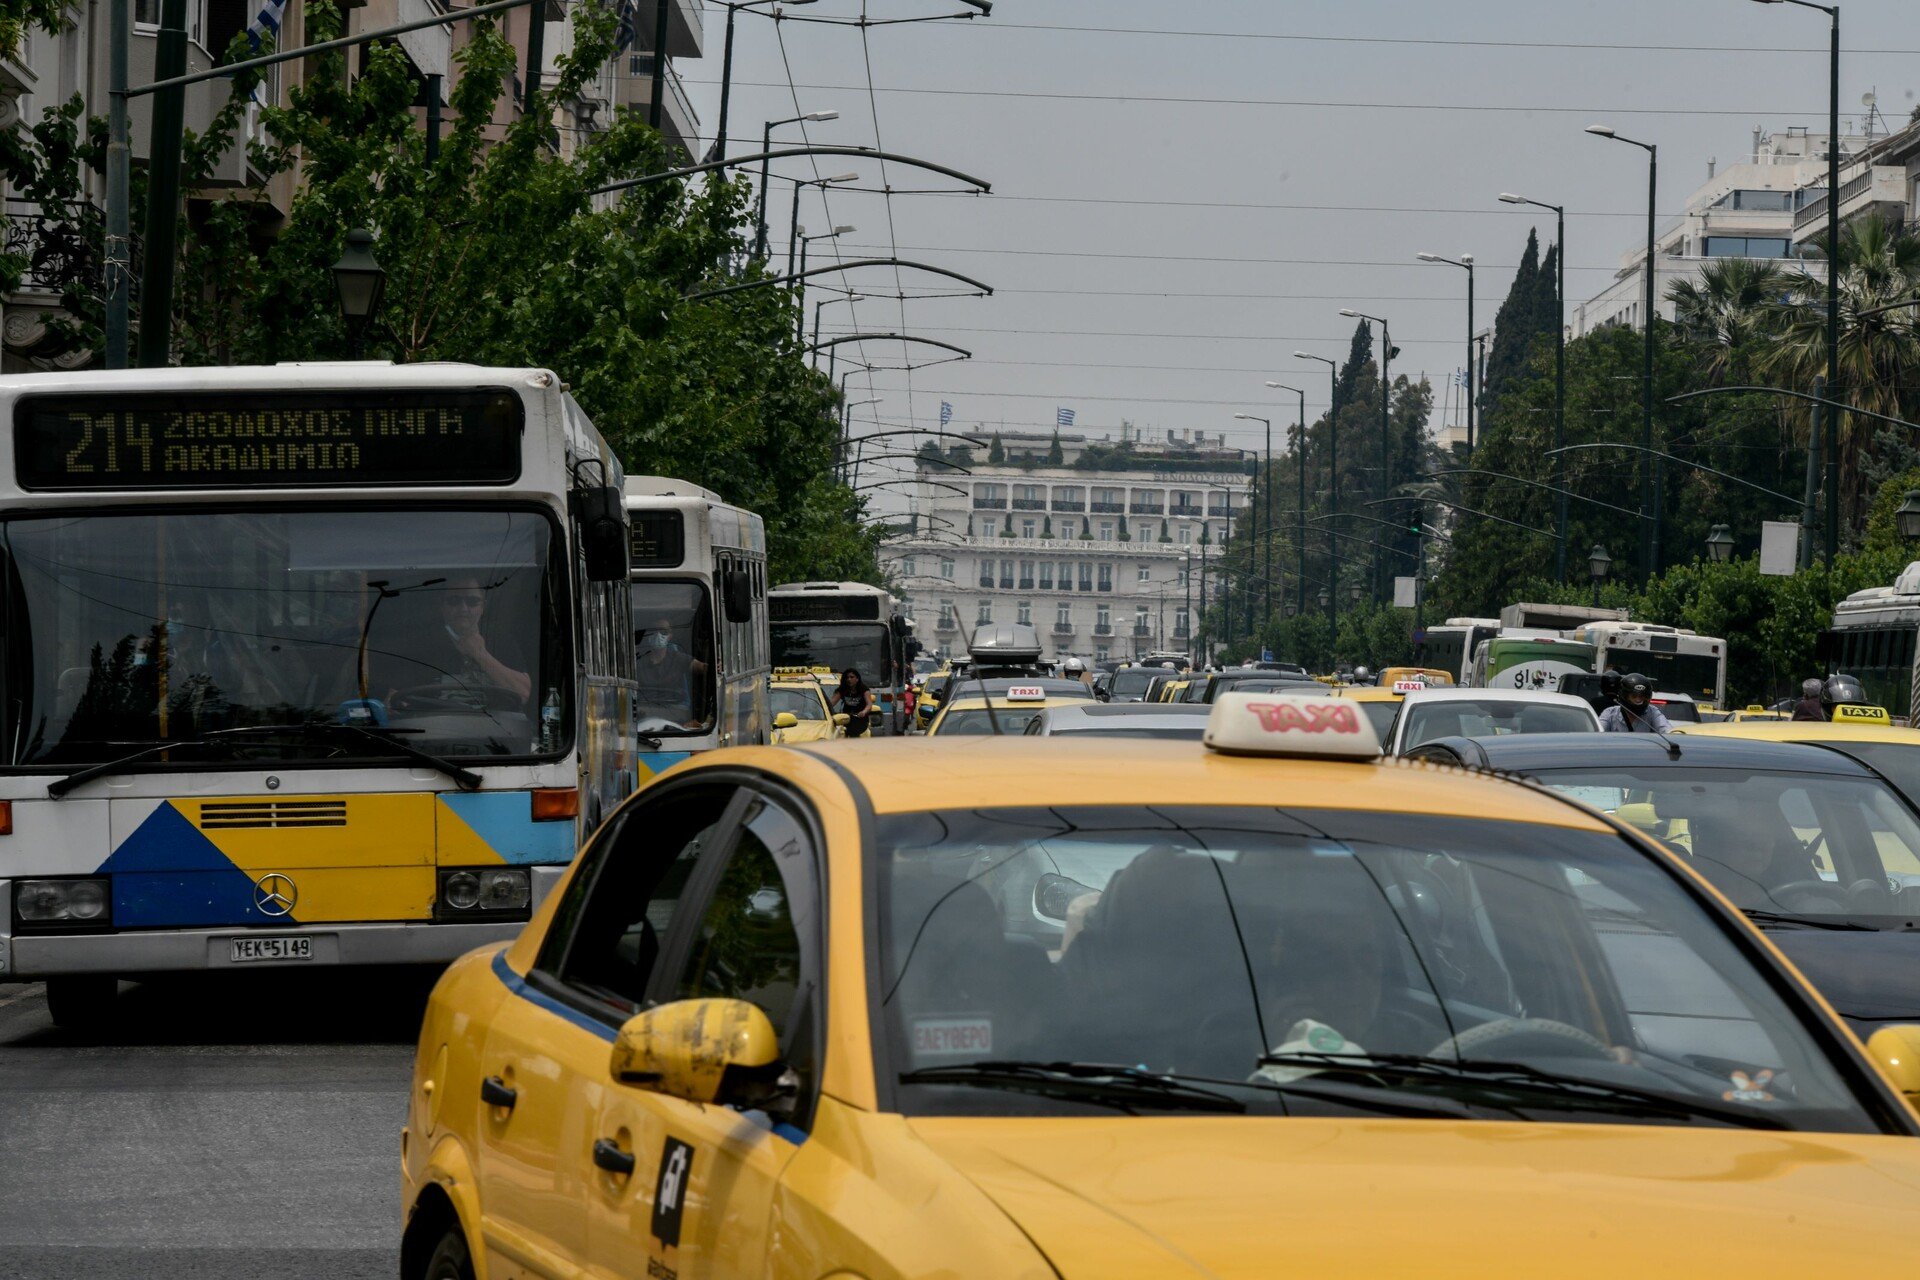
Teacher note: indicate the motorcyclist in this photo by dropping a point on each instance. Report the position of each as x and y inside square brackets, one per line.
[1840, 691]
[1075, 669]
[1808, 707]
[1362, 674]
[1634, 712]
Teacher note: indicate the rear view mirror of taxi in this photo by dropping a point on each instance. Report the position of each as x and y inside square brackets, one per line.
[1288, 725]
[1896, 1051]
[786, 720]
[705, 1051]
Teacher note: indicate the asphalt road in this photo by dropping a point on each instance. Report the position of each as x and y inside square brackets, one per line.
[241, 1125]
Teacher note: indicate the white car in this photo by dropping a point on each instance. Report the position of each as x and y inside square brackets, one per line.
[1485, 713]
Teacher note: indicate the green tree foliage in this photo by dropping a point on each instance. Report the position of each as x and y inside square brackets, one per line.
[1056, 455]
[996, 452]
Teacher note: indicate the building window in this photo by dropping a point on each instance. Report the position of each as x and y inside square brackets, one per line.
[985, 616]
[1181, 581]
[1102, 652]
[1006, 574]
[1046, 575]
[1063, 614]
[1103, 619]
[1026, 575]
[1146, 574]
[986, 573]
[1180, 624]
[1106, 531]
[946, 568]
[1068, 529]
[1746, 247]
[1186, 535]
[1066, 576]
[1106, 577]
[1086, 576]
[1142, 621]
[1028, 528]
[909, 567]
[1024, 613]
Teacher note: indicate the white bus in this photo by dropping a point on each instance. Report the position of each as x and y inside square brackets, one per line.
[325, 664]
[838, 625]
[1451, 646]
[701, 656]
[1874, 640]
[1677, 661]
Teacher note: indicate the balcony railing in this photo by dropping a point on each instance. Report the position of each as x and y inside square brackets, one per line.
[1108, 508]
[1102, 629]
[1148, 509]
[63, 247]
[1106, 586]
[1006, 584]
[989, 504]
[1026, 584]
[1140, 629]
[1183, 509]
[1064, 628]
[986, 580]
[1181, 632]
[1221, 513]
[1069, 504]
[1029, 504]
[1086, 584]
[946, 626]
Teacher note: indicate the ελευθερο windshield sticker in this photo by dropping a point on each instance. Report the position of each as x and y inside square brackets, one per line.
[938, 1037]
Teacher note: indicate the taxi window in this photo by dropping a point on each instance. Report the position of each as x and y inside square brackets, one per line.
[749, 942]
[1226, 945]
[609, 930]
[1805, 845]
[976, 721]
[1381, 714]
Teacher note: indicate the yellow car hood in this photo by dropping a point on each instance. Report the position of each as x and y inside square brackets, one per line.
[1229, 1197]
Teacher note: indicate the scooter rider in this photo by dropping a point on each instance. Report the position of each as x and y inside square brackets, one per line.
[1634, 712]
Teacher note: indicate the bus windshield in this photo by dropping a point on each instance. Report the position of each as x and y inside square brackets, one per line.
[673, 658]
[125, 631]
[1695, 674]
[864, 646]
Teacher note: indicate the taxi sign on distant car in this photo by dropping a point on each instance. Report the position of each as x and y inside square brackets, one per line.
[1409, 686]
[1853, 713]
[1026, 693]
[1281, 724]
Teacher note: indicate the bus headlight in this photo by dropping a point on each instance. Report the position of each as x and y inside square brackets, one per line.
[472, 892]
[79, 900]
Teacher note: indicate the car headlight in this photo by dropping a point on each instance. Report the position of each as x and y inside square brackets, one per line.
[471, 892]
[75, 900]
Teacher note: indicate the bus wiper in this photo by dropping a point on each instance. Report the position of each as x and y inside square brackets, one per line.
[81, 777]
[466, 779]
[1521, 1077]
[1807, 922]
[1091, 1082]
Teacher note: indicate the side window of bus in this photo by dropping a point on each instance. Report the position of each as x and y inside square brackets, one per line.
[608, 933]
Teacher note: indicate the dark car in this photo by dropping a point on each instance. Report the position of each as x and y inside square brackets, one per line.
[1818, 849]
[1265, 682]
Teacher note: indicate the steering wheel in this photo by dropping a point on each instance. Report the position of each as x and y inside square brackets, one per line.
[1519, 1039]
[440, 697]
[1818, 890]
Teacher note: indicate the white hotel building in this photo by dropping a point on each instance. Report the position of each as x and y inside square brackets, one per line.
[1103, 563]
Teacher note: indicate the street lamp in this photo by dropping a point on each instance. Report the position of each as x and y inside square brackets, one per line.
[1559, 369]
[726, 67]
[1908, 516]
[1300, 468]
[1649, 490]
[766, 144]
[1354, 593]
[1333, 477]
[1599, 564]
[800, 285]
[359, 281]
[1464, 260]
[1720, 542]
[1266, 492]
[820, 306]
[793, 221]
[1386, 430]
[1326, 599]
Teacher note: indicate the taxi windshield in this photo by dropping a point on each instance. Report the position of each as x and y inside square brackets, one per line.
[132, 630]
[1801, 844]
[1489, 718]
[1327, 962]
[1012, 718]
[805, 704]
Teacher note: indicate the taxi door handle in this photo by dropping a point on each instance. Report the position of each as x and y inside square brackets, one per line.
[495, 1093]
[608, 1155]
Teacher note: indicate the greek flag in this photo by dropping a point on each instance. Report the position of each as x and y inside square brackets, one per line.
[1459, 377]
[266, 22]
[946, 413]
[629, 29]
[1064, 418]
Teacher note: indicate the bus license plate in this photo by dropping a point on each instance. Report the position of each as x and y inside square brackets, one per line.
[242, 950]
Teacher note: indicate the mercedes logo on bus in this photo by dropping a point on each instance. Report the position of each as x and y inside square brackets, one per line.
[274, 894]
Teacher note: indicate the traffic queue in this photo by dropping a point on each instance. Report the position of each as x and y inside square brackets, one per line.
[1259, 972]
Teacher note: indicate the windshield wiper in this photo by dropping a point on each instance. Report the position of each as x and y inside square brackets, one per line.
[466, 779]
[1521, 1077]
[81, 777]
[1091, 1082]
[1807, 922]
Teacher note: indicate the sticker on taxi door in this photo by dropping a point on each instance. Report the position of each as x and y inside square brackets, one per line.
[670, 1193]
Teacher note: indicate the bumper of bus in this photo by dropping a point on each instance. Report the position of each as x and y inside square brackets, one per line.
[32, 956]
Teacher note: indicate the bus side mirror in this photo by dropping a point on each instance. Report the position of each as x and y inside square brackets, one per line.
[600, 513]
[911, 648]
[736, 593]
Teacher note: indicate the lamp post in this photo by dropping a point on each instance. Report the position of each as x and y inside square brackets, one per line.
[820, 306]
[1719, 544]
[1386, 428]
[1464, 260]
[766, 144]
[726, 67]
[1559, 367]
[1833, 263]
[800, 284]
[359, 281]
[793, 221]
[1908, 516]
[1266, 499]
[1300, 467]
[1649, 489]
[1333, 479]
[1599, 564]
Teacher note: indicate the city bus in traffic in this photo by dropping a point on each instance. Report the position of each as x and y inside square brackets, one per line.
[699, 622]
[838, 625]
[313, 665]
[1873, 639]
[1528, 661]
[1677, 661]
[1451, 646]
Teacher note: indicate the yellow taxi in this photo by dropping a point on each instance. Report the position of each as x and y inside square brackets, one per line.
[1381, 702]
[927, 704]
[999, 707]
[1175, 690]
[800, 709]
[796, 1013]
[1868, 735]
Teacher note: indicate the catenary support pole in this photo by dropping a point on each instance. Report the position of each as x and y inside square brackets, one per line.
[167, 122]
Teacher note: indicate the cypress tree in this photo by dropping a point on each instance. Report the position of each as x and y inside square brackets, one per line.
[1515, 326]
[1056, 456]
[996, 452]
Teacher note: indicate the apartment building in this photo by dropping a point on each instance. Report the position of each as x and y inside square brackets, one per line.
[1102, 551]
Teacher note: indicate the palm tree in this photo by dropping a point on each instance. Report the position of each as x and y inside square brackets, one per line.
[1728, 310]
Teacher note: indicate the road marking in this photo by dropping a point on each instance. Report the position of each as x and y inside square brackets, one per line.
[33, 989]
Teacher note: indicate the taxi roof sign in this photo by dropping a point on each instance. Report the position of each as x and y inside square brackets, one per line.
[1285, 724]
[1026, 693]
[1855, 713]
[1409, 686]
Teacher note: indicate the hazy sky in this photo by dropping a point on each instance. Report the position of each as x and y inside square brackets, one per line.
[1174, 214]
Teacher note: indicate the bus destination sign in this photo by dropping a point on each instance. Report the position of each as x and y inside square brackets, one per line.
[267, 439]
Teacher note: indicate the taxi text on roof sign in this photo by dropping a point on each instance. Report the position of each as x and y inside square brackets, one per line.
[1855, 714]
[1026, 693]
[1278, 724]
[1409, 686]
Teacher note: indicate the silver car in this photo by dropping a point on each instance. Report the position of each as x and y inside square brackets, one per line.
[1162, 720]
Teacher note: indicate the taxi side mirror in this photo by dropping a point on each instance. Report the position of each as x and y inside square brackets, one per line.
[720, 1052]
[786, 720]
[840, 718]
[1896, 1051]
